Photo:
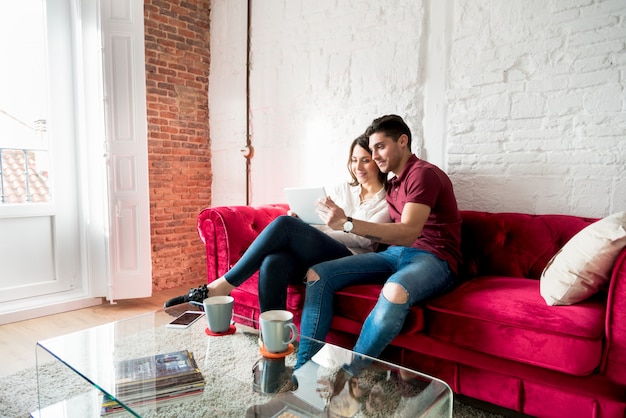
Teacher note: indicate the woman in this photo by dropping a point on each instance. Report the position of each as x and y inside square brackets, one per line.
[287, 247]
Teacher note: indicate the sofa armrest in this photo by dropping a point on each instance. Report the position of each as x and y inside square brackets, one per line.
[228, 231]
[614, 364]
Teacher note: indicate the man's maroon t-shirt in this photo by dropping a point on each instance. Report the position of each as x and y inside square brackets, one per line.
[425, 183]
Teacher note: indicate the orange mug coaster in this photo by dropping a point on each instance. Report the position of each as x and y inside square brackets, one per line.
[231, 330]
[267, 354]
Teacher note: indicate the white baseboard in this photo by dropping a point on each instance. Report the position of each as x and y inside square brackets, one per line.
[49, 309]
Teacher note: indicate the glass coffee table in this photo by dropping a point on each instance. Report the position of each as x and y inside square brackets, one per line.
[75, 372]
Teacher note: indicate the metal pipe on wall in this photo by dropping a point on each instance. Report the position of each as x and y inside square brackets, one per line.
[248, 149]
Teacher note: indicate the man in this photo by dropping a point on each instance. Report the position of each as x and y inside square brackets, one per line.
[424, 246]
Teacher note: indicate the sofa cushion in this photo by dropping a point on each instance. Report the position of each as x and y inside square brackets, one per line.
[584, 264]
[506, 317]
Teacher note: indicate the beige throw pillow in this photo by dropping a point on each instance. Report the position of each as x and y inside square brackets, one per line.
[584, 263]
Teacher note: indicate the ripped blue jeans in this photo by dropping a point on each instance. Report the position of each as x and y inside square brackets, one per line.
[420, 273]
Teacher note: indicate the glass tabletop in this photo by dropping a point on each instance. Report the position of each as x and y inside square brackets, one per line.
[80, 373]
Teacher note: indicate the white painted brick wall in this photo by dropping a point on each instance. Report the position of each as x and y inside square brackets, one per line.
[536, 106]
[522, 102]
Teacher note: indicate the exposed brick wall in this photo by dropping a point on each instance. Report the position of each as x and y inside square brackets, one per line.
[177, 71]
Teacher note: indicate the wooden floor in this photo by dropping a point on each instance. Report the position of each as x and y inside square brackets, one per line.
[18, 339]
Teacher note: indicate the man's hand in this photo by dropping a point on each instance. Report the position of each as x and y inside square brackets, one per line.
[331, 214]
[405, 232]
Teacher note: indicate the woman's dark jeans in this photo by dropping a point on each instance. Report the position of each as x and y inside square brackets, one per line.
[282, 253]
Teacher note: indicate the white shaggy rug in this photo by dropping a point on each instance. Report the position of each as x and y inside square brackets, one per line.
[216, 357]
[18, 397]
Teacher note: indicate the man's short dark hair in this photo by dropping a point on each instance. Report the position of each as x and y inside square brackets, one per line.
[390, 125]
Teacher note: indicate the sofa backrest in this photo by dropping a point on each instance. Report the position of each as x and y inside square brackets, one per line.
[513, 244]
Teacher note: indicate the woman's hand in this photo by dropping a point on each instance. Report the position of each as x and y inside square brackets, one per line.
[292, 213]
[331, 214]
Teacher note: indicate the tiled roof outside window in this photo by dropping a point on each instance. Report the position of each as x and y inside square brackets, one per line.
[16, 186]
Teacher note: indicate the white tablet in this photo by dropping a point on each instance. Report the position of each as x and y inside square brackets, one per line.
[303, 201]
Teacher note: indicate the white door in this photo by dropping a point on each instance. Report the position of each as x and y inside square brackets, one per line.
[74, 201]
[39, 217]
[127, 149]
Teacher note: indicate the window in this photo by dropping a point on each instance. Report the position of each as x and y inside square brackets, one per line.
[24, 156]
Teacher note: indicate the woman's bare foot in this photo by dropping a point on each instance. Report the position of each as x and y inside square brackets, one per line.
[220, 287]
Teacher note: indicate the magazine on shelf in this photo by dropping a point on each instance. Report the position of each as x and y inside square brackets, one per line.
[115, 408]
[158, 378]
[157, 367]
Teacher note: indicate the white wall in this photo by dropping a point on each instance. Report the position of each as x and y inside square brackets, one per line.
[521, 102]
[227, 101]
[536, 106]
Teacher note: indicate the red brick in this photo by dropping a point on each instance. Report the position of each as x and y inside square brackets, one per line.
[177, 70]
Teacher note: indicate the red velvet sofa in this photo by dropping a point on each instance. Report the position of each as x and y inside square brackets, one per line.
[492, 338]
